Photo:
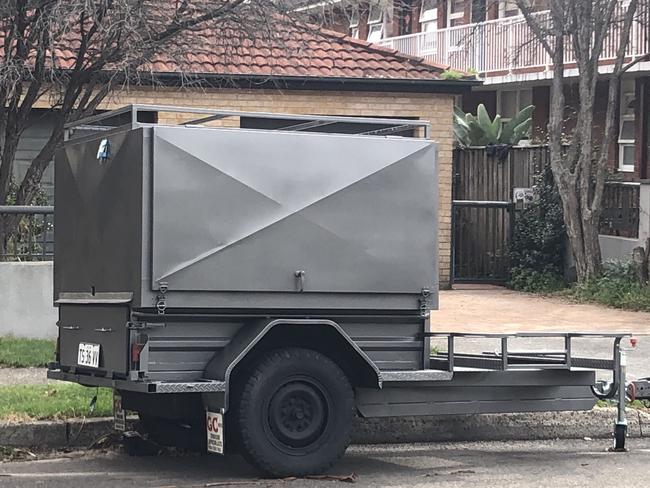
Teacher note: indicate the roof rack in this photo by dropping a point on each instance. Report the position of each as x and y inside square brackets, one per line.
[132, 116]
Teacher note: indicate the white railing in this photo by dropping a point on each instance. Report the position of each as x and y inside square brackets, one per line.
[498, 47]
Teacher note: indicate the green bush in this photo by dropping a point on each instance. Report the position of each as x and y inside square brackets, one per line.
[615, 287]
[536, 281]
[537, 246]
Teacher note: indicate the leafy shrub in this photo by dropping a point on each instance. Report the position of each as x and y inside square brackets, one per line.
[535, 281]
[537, 247]
[452, 75]
[617, 287]
[480, 130]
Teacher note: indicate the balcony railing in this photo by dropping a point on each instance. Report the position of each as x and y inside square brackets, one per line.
[506, 46]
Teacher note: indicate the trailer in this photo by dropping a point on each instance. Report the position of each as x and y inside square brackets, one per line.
[253, 281]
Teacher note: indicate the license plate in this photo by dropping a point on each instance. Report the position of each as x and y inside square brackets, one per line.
[88, 355]
[214, 426]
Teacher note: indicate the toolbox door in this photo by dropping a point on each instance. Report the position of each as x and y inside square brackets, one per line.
[87, 328]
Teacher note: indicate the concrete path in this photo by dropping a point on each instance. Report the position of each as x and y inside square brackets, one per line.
[474, 308]
[491, 309]
[460, 465]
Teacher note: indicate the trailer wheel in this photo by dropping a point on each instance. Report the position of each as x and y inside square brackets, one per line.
[295, 413]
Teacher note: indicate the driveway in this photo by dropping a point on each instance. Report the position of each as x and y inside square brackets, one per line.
[491, 309]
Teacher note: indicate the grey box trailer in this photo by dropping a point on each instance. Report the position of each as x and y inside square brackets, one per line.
[271, 281]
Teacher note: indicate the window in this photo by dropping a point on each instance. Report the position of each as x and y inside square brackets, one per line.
[429, 16]
[626, 134]
[375, 14]
[510, 102]
[354, 23]
[508, 8]
[375, 33]
[456, 12]
[375, 23]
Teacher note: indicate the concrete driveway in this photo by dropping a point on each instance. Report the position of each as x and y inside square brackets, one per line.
[491, 309]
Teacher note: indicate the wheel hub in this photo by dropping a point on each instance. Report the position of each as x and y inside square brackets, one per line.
[298, 413]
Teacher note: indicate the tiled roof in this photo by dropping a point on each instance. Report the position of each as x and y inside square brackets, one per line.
[290, 51]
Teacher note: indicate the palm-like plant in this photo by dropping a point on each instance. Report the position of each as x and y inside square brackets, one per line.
[480, 130]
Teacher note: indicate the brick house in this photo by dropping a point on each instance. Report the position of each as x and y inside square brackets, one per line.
[300, 72]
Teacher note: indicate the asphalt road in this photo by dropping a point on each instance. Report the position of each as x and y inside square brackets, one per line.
[479, 464]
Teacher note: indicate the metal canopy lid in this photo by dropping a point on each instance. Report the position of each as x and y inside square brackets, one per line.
[297, 122]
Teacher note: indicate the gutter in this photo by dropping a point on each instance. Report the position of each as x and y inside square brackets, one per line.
[325, 83]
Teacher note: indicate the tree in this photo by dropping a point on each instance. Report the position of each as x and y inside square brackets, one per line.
[581, 29]
[73, 53]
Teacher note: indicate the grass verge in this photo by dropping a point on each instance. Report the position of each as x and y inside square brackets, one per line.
[617, 293]
[22, 353]
[53, 401]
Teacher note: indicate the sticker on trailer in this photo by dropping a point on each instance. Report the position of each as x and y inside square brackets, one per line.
[214, 427]
[119, 414]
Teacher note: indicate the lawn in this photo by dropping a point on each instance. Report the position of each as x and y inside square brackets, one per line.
[53, 401]
[20, 353]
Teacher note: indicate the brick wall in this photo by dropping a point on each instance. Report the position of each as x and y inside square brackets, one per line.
[436, 108]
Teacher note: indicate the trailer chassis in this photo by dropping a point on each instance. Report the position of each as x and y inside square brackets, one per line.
[445, 368]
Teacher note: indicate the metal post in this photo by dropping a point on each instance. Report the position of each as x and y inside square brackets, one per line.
[567, 350]
[620, 429]
[504, 353]
[450, 352]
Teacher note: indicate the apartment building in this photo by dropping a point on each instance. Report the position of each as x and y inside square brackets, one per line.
[491, 39]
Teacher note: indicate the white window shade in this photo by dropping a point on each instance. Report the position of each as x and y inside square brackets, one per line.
[375, 32]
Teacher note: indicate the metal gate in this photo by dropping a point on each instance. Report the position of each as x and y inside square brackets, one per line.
[483, 209]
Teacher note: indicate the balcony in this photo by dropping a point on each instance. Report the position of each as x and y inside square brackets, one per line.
[505, 49]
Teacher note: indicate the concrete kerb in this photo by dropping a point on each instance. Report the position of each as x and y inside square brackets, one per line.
[597, 423]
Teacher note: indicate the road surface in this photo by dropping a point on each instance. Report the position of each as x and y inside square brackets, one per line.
[480, 464]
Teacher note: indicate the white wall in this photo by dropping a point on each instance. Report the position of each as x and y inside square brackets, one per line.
[26, 309]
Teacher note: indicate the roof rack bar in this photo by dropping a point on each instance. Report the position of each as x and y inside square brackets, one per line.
[203, 120]
[387, 130]
[306, 125]
[255, 115]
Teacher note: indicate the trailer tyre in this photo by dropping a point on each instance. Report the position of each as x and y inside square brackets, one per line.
[295, 413]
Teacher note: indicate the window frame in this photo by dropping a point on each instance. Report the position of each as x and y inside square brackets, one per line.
[503, 4]
[424, 13]
[451, 16]
[627, 96]
[373, 28]
[518, 97]
[376, 23]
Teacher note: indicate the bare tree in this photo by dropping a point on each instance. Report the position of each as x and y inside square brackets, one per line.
[582, 29]
[72, 53]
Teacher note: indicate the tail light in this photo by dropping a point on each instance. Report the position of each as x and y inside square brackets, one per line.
[136, 349]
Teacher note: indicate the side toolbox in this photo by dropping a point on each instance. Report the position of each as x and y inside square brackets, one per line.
[100, 326]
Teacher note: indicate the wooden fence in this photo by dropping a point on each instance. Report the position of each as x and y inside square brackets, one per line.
[484, 209]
